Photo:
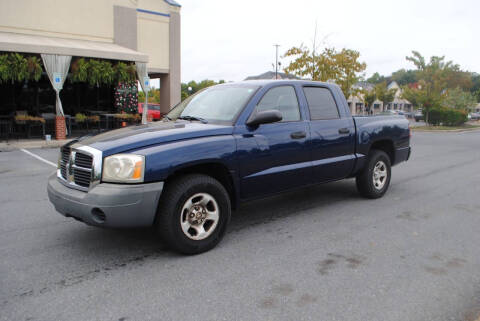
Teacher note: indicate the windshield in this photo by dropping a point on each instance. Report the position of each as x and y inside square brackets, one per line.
[214, 104]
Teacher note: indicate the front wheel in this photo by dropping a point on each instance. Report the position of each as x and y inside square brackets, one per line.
[374, 179]
[193, 214]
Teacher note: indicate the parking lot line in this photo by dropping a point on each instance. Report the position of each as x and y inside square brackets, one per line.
[38, 157]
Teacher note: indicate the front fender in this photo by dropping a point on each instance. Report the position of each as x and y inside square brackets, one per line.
[162, 160]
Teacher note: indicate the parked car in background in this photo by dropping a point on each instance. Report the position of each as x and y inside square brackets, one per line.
[225, 145]
[419, 116]
[153, 110]
[388, 112]
[409, 115]
[474, 116]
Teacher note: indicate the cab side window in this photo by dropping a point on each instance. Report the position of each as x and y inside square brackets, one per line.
[283, 99]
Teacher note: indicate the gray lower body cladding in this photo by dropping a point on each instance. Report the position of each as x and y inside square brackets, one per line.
[107, 205]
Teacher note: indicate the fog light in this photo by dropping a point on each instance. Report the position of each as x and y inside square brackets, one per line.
[98, 215]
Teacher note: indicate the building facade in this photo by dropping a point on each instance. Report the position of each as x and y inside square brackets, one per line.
[357, 104]
[145, 31]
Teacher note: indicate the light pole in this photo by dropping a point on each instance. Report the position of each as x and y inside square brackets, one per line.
[276, 60]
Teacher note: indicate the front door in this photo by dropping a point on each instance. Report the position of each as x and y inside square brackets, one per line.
[274, 157]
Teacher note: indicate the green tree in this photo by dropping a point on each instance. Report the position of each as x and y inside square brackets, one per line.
[192, 86]
[153, 96]
[307, 63]
[459, 99]
[384, 94]
[423, 97]
[404, 77]
[435, 78]
[376, 78]
[348, 69]
[343, 67]
[476, 94]
[369, 97]
[440, 74]
[475, 90]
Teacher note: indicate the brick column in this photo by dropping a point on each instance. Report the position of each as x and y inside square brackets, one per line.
[60, 128]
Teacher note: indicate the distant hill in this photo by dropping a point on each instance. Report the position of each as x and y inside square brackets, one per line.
[271, 75]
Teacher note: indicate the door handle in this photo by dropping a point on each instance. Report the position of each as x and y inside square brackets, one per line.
[344, 131]
[298, 135]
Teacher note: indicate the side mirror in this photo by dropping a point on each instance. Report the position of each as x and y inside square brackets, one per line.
[264, 117]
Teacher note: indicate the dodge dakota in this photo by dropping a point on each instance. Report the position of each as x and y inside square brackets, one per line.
[225, 145]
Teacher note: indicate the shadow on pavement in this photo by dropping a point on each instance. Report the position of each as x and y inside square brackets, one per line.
[93, 241]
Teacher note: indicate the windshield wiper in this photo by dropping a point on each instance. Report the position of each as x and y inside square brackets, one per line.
[193, 118]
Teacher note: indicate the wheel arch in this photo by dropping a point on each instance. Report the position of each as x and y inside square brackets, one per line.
[216, 170]
[385, 145]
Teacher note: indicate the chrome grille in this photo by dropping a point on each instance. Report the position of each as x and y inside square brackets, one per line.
[77, 167]
[83, 160]
[81, 177]
[65, 151]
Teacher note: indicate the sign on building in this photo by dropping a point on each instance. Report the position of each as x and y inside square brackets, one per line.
[146, 83]
[57, 81]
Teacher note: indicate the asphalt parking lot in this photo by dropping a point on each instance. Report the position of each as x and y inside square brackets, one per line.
[321, 253]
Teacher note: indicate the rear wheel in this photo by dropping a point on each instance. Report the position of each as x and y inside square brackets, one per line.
[374, 180]
[193, 214]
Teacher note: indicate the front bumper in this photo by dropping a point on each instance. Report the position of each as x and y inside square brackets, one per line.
[107, 205]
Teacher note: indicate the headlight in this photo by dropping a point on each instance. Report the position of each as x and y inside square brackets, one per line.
[123, 168]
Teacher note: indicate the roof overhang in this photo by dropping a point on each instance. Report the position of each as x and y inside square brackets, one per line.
[69, 47]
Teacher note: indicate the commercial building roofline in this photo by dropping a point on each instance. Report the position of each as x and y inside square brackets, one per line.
[154, 12]
[173, 3]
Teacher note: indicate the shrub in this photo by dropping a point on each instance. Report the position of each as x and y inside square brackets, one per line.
[21, 119]
[80, 118]
[447, 116]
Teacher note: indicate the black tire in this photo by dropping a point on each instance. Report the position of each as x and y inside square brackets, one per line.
[169, 213]
[365, 179]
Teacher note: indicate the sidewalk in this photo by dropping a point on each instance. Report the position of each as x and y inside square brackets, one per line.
[31, 143]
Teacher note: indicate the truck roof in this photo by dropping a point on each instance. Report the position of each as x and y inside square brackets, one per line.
[265, 82]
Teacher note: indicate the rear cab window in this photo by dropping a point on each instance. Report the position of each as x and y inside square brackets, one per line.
[321, 103]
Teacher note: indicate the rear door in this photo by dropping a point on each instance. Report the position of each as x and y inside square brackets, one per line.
[332, 143]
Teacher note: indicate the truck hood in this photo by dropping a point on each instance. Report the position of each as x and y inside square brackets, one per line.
[135, 137]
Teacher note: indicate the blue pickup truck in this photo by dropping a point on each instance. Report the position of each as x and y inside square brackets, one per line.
[218, 148]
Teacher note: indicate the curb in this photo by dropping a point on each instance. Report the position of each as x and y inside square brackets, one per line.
[8, 147]
[444, 130]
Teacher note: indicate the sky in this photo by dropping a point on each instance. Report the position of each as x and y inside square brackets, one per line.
[231, 40]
